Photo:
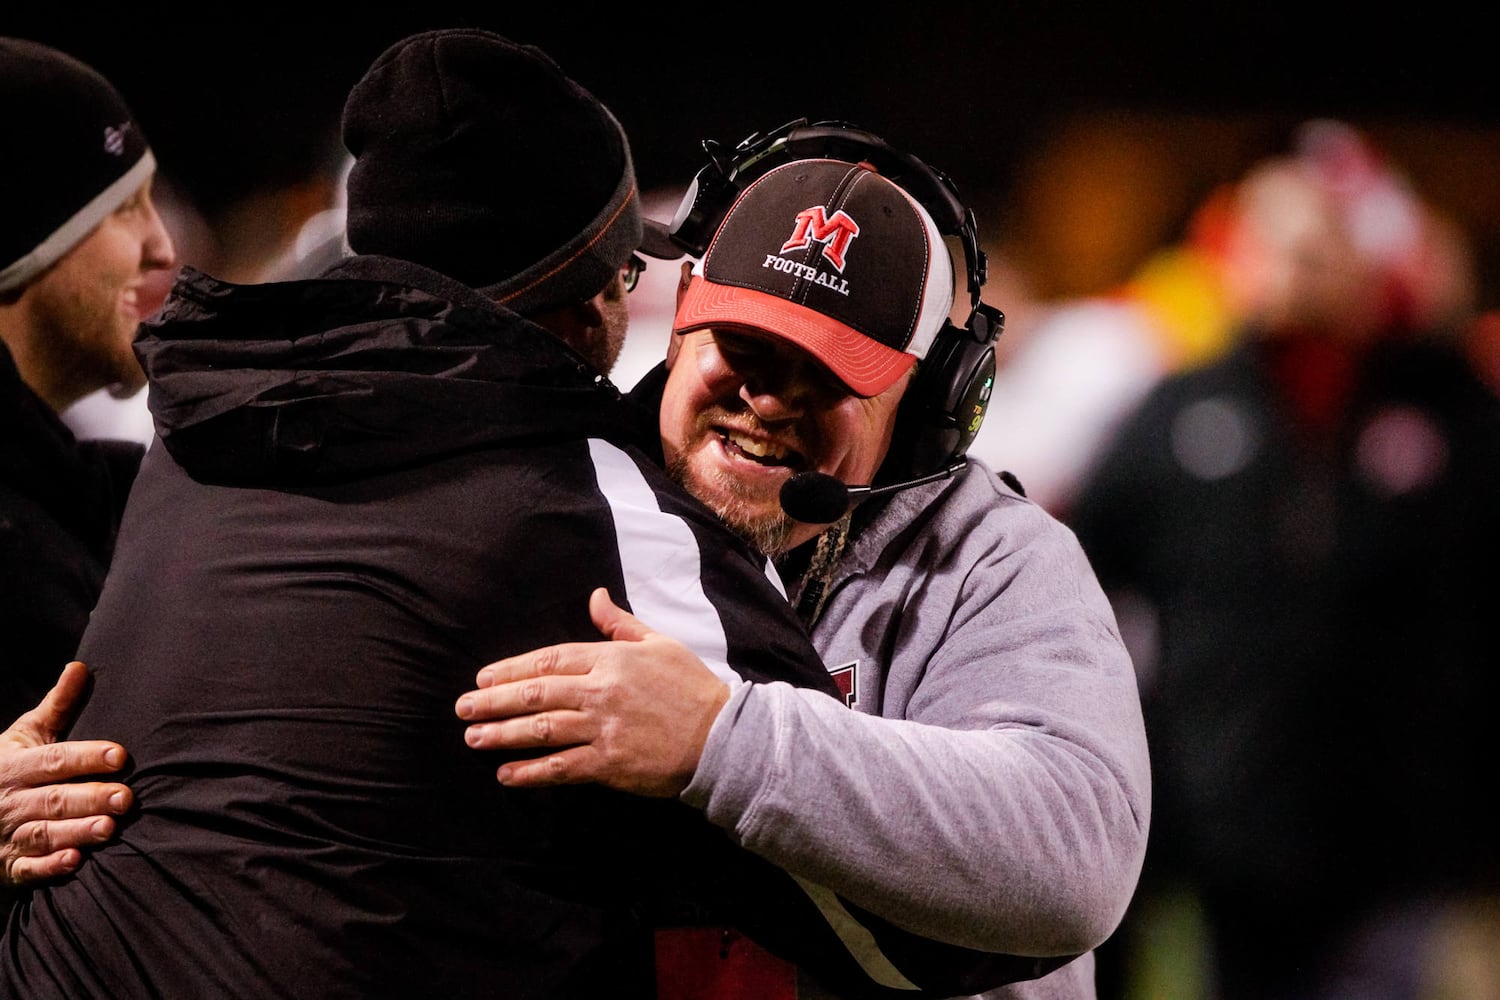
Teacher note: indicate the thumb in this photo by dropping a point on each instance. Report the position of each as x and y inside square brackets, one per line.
[614, 621]
[47, 721]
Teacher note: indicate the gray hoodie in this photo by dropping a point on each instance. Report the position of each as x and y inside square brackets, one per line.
[992, 788]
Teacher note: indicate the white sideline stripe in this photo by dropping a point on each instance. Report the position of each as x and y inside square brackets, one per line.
[661, 562]
[856, 936]
[775, 579]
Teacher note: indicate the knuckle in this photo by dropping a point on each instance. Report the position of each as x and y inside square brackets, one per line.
[532, 693]
[30, 839]
[541, 726]
[54, 759]
[548, 662]
[603, 694]
[55, 801]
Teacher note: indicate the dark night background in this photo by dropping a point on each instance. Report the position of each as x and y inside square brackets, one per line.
[236, 97]
[1084, 135]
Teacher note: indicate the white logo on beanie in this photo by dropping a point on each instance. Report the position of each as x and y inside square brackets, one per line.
[114, 138]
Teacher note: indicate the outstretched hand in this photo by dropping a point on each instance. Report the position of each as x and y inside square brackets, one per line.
[45, 816]
[631, 713]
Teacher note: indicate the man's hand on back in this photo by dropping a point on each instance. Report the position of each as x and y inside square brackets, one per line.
[631, 713]
[46, 815]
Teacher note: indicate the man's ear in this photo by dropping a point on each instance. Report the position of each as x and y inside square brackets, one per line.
[590, 312]
[573, 323]
[675, 344]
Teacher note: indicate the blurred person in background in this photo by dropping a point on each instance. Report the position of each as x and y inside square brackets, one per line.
[1483, 344]
[1087, 362]
[81, 249]
[1299, 539]
[241, 219]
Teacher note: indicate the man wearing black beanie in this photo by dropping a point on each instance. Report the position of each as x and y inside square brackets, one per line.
[364, 486]
[79, 246]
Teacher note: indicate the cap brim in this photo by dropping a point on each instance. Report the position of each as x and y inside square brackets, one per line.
[865, 365]
[656, 241]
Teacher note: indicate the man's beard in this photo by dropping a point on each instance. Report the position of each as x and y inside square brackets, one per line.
[86, 350]
[736, 508]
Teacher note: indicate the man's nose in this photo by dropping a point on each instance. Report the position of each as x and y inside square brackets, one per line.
[772, 400]
[158, 251]
[777, 389]
[787, 385]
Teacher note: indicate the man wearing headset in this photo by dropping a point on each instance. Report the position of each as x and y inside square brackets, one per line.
[992, 789]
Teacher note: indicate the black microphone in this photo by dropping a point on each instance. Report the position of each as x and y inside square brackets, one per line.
[818, 498]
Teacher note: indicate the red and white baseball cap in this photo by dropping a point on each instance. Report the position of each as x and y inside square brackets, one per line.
[835, 258]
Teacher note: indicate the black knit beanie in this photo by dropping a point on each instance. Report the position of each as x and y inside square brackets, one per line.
[72, 155]
[477, 157]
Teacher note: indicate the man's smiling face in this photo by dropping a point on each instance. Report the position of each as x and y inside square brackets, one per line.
[743, 411]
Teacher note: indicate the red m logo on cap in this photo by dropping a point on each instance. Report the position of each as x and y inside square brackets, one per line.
[813, 224]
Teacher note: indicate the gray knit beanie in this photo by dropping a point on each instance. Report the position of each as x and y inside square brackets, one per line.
[73, 154]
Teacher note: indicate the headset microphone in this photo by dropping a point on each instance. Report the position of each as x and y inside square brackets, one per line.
[818, 498]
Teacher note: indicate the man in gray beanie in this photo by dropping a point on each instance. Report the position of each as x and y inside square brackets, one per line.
[79, 249]
[364, 486]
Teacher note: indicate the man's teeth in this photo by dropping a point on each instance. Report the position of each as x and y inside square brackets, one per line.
[762, 450]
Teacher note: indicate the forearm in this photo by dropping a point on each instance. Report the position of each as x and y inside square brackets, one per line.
[1012, 839]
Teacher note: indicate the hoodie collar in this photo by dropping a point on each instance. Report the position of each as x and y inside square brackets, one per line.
[373, 366]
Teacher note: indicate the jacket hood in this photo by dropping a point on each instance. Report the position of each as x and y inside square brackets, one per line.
[376, 365]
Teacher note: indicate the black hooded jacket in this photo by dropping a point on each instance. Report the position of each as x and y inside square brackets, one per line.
[60, 505]
[365, 487]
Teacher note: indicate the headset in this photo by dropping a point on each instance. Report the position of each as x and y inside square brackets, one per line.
[944, 407]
